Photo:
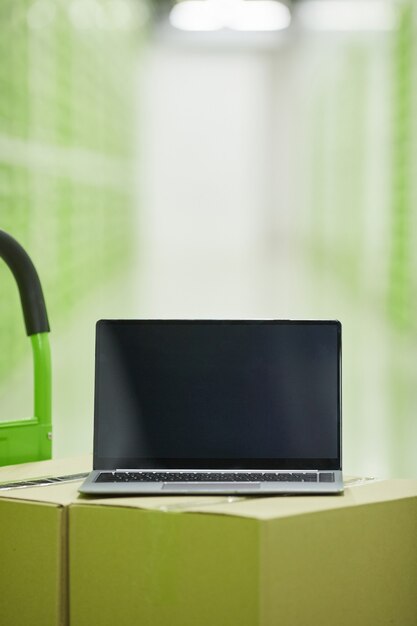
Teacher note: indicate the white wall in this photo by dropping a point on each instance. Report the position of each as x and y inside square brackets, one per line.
[207, 179]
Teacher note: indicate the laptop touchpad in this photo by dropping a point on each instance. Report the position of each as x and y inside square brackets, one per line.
[207, 486]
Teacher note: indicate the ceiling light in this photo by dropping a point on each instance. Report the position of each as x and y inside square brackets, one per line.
[242, 15]
[203, 15]
[255, 15]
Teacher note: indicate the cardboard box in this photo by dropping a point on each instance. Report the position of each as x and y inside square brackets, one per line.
[348, 560]
[200, 561]
[33, 544]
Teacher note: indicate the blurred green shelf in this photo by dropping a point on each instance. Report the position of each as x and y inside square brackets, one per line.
[65, 91]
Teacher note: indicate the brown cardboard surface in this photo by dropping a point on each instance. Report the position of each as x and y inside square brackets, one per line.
[265, 508]
[206, 560]
[34, 544]
[40, 469]
[131, 566]
[278, 561]
[342, 566]
[32, 573]
[60, 494]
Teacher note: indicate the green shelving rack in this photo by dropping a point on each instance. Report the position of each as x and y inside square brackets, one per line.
[67, 80]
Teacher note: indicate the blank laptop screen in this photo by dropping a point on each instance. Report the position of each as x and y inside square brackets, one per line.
[217, 394]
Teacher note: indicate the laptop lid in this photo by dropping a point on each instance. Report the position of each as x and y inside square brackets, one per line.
[217, 394]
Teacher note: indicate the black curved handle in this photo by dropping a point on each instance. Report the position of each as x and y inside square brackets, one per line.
[30, 289]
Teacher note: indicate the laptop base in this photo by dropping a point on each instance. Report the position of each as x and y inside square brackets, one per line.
[196, 487]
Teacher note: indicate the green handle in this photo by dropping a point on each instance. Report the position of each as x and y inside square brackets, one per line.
[29, 285]
[28, 440]
[42, 375]
[23, 441]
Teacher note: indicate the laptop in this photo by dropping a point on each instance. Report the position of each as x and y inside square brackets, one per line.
[217, 407]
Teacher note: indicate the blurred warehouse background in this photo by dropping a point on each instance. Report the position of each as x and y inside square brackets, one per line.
[221, 158]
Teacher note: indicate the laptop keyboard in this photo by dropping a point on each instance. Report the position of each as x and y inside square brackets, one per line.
[143, 477]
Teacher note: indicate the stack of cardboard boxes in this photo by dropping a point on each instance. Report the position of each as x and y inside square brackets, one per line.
[349, 560]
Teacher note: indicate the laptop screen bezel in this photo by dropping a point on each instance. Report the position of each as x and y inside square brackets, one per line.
[106, 463]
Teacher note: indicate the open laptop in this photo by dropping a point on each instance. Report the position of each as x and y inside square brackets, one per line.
[217, 407]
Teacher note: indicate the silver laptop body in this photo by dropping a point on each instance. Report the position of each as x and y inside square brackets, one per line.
[243, 407]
